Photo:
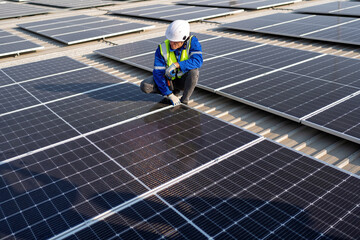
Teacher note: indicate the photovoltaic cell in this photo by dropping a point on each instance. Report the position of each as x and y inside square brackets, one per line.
[10, 10]
[72, 30]
[11, 44]
[340, 8]
[171, 13]
[157, 148]
[341, 119]
[49, 192]
[265, 191]
[324, 28]
[72, 4]
[246, 4]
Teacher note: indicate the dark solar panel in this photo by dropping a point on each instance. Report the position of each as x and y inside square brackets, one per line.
[324, 28]
[31, 129]
[72, 4]
[11, 10]
[42, 68]
[246, 4]
[263, 192]
[289, 94]
[70, 83]
[171, 13]
[341, 119]
[72, 30]
[11, 44]
[157, 148]
[340, 8]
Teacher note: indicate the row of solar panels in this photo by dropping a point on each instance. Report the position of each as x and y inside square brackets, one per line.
[90, 156]
[82, 28]
[303, 86]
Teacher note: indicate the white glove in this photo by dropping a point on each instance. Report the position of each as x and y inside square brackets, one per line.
[171, 71]
[174, 99]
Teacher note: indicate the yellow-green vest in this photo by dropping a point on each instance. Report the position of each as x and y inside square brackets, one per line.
[170, 57]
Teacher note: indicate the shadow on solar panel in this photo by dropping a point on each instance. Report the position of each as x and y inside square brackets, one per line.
[82, 28]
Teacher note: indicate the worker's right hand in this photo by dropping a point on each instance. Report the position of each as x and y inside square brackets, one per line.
[174, 99]
[170, 71]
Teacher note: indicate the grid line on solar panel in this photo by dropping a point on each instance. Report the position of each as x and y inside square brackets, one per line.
[190, 13]
[217, 201]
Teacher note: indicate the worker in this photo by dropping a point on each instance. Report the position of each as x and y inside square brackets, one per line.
[176, 65]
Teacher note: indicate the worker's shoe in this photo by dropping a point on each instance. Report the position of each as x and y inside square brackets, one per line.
[186, 102]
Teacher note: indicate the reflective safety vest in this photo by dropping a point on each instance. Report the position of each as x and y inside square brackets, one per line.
[169, 56]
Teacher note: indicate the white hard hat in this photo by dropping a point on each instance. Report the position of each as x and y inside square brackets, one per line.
[178, 31]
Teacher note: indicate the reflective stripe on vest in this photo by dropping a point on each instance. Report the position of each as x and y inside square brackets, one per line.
[170, 57]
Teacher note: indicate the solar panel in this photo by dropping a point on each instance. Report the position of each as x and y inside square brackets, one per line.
[59, 188]
[341, 119]
[171, 12]
[340, 8]
[82, 28]
[11, 44]
[263, 192]
[325, 28]
[72, 4]
[246, 4]
[11, 10]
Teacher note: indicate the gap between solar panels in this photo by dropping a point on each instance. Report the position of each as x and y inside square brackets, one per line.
[82, 28]
[288, 82]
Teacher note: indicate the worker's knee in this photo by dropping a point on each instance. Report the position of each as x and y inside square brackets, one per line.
[146, 86]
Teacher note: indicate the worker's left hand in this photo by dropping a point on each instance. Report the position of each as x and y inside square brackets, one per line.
[171, 71]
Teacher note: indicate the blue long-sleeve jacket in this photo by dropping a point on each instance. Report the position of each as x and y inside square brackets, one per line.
[194, 61]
